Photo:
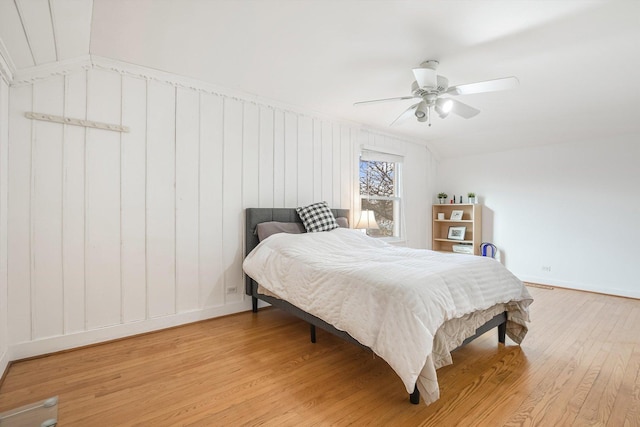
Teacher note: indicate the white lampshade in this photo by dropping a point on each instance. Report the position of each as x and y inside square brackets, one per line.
[426, 75]
[367, 220]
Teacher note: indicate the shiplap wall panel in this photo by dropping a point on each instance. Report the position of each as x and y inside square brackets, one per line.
[4, 174]
[336, 150]
[345, 167]
[326, 135]
[150, 223]
[211, 202]
[161, 199]
[233, 216]
[290, 159]
[75, 105]
[317, 159]
[19, 205]
[46, 219]
[250, 174]
[266, 157]
[102, 202]
[279, 160]
[187, 195]
[251, 155]
[305, 164]
[133, 181]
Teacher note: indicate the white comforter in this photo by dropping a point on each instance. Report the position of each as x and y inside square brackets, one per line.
[391, 299]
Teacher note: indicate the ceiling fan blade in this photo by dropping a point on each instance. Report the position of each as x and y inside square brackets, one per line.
[405, 114]
[373, 101]
[485, 86]
[463, 110]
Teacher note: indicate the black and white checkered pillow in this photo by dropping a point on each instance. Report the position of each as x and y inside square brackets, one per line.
[317, 217]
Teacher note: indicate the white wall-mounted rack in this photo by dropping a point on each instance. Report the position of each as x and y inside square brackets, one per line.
[76, 122]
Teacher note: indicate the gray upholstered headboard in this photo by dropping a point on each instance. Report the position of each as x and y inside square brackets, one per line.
[255, 216]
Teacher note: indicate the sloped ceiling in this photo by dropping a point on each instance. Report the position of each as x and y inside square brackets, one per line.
[37, 32]
[577, 61]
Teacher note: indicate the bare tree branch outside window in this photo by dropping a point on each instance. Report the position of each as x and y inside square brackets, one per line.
[378, 193]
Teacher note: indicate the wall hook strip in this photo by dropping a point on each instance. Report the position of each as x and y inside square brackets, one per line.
[75, 122]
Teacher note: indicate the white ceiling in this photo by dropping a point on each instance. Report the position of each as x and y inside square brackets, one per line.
[577, 61]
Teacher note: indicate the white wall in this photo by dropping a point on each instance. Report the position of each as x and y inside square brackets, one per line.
[113, 233]
[572, 207]
[4, 140]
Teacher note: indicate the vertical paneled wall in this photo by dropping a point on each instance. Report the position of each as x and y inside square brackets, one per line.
[110, 229]
[4, 141]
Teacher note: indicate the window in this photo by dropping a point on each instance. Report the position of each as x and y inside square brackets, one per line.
[380, 179]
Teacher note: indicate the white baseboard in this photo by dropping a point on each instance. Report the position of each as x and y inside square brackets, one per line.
[580, 286]
[65, 342]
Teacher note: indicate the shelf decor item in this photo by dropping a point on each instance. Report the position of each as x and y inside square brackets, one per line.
[472, 197]
[456, 215]
[456, 233]
[442, 197]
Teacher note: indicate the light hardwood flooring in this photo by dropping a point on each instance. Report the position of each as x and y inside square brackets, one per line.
[579, 365]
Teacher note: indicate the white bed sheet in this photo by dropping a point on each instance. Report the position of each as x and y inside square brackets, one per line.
[391, 299]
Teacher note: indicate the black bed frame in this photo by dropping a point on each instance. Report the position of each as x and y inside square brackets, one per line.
[255, 216]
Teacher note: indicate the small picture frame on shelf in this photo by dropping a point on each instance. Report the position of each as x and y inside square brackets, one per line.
[456, 233]
[456, 215]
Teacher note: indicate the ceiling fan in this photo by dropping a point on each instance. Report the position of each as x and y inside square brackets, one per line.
[433, 91]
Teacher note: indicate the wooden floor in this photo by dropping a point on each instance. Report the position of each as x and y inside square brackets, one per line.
[579, 365]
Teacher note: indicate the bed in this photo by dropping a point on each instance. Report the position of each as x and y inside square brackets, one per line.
[356, 318]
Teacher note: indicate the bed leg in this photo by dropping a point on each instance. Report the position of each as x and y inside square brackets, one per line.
[502, 332]
[312, 330]
[415, 396]
[254, 304]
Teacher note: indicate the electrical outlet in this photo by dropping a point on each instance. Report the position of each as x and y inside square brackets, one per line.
[546, 268]
[232, 290]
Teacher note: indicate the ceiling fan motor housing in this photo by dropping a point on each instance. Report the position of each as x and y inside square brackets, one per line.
[442, 86]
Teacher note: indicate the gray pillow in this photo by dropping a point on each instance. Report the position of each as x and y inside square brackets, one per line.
[266, 229]
[342, 222]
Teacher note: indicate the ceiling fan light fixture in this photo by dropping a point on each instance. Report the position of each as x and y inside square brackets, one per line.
[426, 75]
[421, 111]
[443, 107]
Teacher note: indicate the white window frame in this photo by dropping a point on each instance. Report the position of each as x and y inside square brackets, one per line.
[382, 155]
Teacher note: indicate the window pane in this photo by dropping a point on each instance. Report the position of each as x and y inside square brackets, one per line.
[383, 210]
[377, 178]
